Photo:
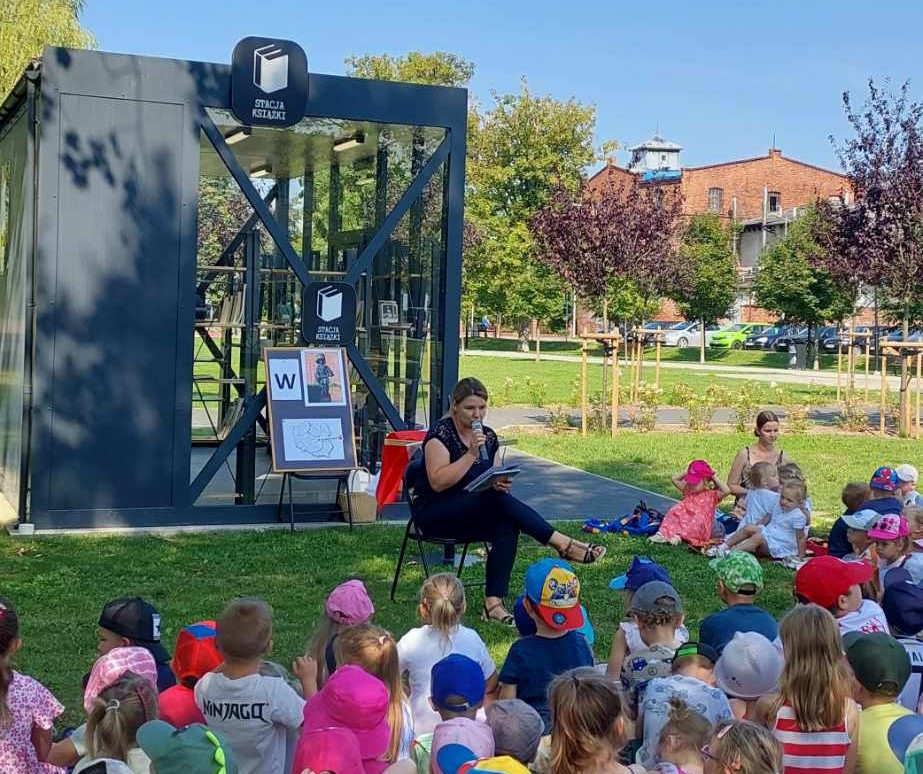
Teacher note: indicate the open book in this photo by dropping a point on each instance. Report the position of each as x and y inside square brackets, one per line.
[487, 478]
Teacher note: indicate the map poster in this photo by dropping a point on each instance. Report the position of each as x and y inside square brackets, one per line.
[310, 411]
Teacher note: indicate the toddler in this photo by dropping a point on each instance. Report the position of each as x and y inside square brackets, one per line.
[114, 719]
[253, 712]
[27, 708]
[891, 535]
[914, 516]
[627, 637]
[347, 605]
[692, 518]
[442, 609]
[883, 488]
[517, 729]
[192, 749]
[691, 683]
[858, 525]
[853, 496]
[763, 495]
[195, 656]
[134, 621]
[553, 602]
[835, 585]
[748, 670]
[907, 477]
[475, 739]
[374, 649]
[682, 739]
[744, 747]
[783, 537]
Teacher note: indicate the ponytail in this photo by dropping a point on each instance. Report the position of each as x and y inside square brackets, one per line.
[685, 730]
[117, 714]
[9, 634]
[442, 604]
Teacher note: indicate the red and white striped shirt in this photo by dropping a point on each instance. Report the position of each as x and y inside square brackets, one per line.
[810, 752]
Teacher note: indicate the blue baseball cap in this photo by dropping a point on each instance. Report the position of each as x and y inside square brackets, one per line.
[457, 676]
[642, 570]
[525, 625]
[884, 478]
[902, 733]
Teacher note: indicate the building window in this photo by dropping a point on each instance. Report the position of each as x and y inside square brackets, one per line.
[775, 201]
[715, 199]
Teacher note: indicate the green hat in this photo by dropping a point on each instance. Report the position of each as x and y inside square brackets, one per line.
[191, 750]
[738, 569]
[879, 662]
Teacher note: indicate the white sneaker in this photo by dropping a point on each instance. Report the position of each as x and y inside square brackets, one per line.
[718, 551]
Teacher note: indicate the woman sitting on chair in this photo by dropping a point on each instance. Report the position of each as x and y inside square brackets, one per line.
[443, 509]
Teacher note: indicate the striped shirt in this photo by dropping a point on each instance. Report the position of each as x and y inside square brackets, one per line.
[810, 752]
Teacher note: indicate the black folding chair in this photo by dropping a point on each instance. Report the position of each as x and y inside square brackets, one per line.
[414, 533]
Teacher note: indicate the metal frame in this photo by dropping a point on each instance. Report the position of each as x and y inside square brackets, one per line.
[196, 86]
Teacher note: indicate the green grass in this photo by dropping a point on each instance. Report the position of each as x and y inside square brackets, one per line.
[561, 380]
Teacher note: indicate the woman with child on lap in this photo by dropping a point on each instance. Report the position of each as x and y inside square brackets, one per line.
[443, 509]
[764, 450]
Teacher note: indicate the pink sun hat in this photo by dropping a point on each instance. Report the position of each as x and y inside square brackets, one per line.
[349, 603]
[111, 666]
[698, 470]
[891, 526]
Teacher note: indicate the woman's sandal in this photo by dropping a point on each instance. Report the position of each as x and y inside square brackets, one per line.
[506, 620]
[593, 553]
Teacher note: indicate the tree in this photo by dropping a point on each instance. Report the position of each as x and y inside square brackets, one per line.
[880, 237]
[790, 282]
[438, 68]
[27, 26]
[709, 293]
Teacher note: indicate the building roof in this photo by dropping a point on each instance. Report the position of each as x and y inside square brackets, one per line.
[657, 143]
[772, 152]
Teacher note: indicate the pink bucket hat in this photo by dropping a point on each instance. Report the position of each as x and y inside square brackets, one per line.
[351, 698]
[111, 666]
[349, 603]
[698, 470]
[328, 749]
[889, 527]
[475, 737]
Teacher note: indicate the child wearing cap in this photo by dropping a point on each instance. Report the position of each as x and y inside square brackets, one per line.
[517, 729]
[691, 679]
[134, 621]
[692, 518]
[191, 749]
[883, 488]
[748, 671]
[627, 637]
[854, 494]
[740, 579]
[658, 612]
[475, 738]
[835, 585]
[881, 668]
[552, 593]
[347, 605]
[858, 525]
[457, 691]
[253, 712]
[891, 535]
[442, 609]
[907, 477]
[195, 656]
[903, 606]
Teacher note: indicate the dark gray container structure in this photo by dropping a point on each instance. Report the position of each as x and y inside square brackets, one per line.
[135, 211]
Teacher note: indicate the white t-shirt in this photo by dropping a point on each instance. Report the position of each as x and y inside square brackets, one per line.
[780, 532]
[869, 618]
[254, 713]
[760, 503]
[420, 649]
[635, 643]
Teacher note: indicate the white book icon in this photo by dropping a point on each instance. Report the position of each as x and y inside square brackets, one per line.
[270, 69]
[329, 303]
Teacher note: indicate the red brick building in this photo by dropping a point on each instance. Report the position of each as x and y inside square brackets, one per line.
[762, 195]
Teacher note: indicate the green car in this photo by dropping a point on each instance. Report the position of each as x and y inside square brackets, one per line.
[733, 336]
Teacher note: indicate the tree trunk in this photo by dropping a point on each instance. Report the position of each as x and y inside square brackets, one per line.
[605, 314]
[702, 342]
[523, 330]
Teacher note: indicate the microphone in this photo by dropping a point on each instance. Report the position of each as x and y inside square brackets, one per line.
[482, 449]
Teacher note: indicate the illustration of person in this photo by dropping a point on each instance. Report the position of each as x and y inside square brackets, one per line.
[323, 375]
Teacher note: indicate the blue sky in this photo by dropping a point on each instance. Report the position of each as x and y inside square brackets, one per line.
[718, 77]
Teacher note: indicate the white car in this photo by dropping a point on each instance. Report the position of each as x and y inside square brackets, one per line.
[688, 334]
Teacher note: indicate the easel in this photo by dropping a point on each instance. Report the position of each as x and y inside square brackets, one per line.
[910, 419]
[340, 476]
[610, 345]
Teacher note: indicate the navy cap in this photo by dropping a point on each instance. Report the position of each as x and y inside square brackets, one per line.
[136, 620]
[903, 606]
[641, 571]
[457, 676]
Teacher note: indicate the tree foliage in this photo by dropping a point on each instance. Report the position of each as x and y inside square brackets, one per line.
[27, 26]
[711, 287]
[438, 68]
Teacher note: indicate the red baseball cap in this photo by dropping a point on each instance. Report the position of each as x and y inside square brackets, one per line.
[824, 579]
[196, 654]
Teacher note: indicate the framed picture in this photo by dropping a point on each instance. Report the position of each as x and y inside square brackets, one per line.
[322, 370]
[388, 313]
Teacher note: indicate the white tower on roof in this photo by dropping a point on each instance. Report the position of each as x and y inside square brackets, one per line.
[655, 155]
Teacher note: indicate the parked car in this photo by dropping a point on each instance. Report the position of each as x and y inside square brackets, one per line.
[766, 339]
[688, 334]
[733, 336]
[821, 335]
[799, 335]
[649, 330]
[870, 339]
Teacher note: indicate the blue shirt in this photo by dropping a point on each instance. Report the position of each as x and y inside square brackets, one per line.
[883, 505]
[719, 628]
[533, 662]
[838, 543]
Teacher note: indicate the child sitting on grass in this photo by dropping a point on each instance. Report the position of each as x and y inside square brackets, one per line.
[835, 585]
[854, 494]
[347, 605]
[763, 496]
[891, 535]
[692, 518]
[114, 719]
[195, 656]
[743, 747]
[748, 671]
[682, 739]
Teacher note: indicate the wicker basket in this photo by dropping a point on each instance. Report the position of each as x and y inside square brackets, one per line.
[365, 507]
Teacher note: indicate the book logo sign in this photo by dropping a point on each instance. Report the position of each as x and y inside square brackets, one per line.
[269, 82]
[329, 313]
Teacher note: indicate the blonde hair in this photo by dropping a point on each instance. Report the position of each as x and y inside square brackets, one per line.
[374, 650]
[814, 682]
[442, 604]
[245, 628]
[795, 486]
[914, 516]
[790, 471]
[739, 745]
[760, 471]
[585, 709]
[316, 647]
[117, 714]
[685, 731]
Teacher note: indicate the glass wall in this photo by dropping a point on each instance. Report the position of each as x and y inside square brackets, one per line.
[331, 184]
[12, 303]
